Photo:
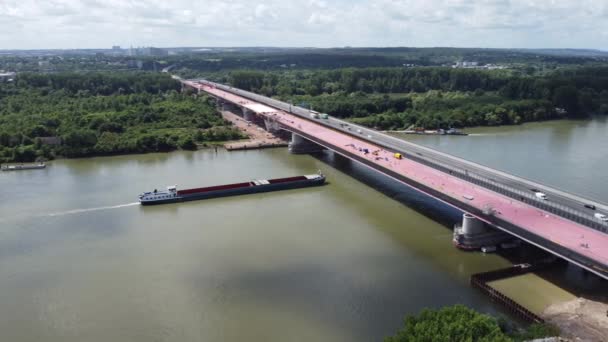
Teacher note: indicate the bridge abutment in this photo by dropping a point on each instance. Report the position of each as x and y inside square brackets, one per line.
[301, 145]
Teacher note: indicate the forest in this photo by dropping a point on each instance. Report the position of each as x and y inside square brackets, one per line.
[435, 97]
[76, 115]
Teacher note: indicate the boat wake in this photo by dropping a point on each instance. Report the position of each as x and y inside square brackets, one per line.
[78, 211]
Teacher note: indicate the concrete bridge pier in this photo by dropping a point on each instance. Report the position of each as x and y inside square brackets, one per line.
[248, 115]
[227, 106]
[473, 234]
[301, 145]
[271, 126]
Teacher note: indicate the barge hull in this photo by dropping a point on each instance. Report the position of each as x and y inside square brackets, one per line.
[240, 191]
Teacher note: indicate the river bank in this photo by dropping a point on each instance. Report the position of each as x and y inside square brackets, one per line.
[580, 319]
[257, 137]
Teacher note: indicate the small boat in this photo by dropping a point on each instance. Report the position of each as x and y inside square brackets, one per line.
[23, 167]
[488, 249]
[172, 194]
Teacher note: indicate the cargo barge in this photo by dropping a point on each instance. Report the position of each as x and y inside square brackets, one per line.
[23, 167]
[172, 195]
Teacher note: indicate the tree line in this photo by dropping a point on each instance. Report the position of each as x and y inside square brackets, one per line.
[433, 97]
[75, 115]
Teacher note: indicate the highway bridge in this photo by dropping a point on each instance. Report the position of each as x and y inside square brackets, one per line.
[560, 224]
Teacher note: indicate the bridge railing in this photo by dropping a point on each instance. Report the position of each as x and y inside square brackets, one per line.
[519, 195]
[467, 175]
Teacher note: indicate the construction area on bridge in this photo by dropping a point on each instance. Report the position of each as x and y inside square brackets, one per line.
[258, 137]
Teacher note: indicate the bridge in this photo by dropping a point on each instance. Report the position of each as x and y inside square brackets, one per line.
[562, 224]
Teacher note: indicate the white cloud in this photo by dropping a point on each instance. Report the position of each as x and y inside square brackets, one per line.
[484, 23]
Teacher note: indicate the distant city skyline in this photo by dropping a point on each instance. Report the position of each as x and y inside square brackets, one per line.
[73, 24]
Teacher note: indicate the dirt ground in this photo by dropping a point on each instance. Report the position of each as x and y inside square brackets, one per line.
[580, 319]
[258, 137]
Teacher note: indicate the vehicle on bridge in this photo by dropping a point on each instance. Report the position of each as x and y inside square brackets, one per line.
[541, 195]
[601, 217]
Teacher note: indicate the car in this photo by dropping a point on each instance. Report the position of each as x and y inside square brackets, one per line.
[541, 195]
[534, 190]
[590, 206]
[601, 217]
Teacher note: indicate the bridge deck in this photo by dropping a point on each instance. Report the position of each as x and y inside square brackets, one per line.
[583, 240]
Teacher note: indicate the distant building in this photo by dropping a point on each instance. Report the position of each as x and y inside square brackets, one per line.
[7, 76]
[116, 50]
[152, 51]
[135, 64]
[476, 65]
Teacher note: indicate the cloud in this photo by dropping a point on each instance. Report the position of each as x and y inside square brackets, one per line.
[322, 23]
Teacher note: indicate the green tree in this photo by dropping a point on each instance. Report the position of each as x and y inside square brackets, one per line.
[450, 324]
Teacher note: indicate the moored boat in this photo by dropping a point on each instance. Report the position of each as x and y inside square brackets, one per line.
[23, 167]
[172, 194]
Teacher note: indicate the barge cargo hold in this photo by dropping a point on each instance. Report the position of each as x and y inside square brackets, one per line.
[172, 195]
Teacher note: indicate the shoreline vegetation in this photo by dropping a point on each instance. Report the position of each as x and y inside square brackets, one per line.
[460, 323]
[81, 115]
[66, 114]
[434, 97]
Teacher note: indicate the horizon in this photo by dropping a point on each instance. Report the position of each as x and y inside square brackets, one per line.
[497, 24]
[309, 47]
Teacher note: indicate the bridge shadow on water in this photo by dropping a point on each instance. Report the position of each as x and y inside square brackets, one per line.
[418, 201]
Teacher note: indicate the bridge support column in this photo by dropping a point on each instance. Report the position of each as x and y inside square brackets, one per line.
[301, 145]
[229, 107]
[474, 234]
[271, 126]
[248, 115]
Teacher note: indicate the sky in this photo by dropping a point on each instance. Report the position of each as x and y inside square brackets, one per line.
[51, 24]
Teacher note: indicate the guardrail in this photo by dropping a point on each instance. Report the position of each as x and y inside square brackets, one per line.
[465, 174]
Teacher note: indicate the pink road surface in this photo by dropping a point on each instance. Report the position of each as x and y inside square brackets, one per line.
[583, 240]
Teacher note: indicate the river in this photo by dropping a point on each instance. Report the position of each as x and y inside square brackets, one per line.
[81, 260]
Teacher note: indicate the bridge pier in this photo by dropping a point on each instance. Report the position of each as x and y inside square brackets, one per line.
[248, 115]
[473, 234]
[301, 145]
[271, 126]
[227, 106]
